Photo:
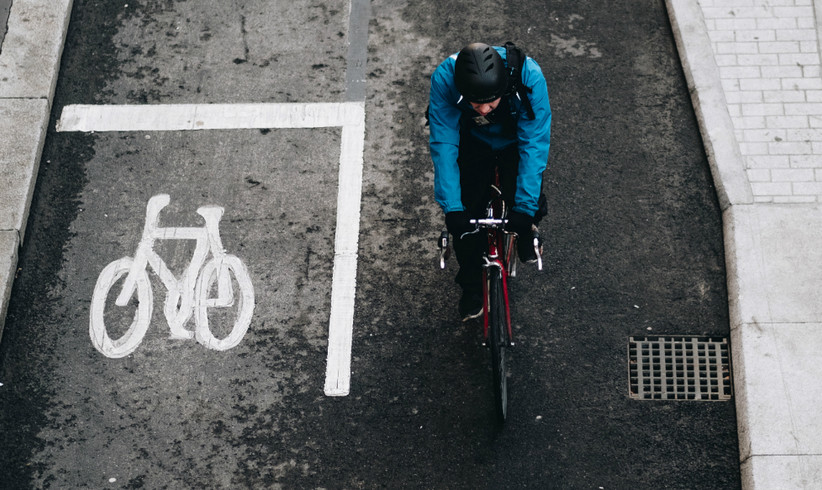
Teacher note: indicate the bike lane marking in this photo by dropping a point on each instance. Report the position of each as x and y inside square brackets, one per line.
[350, 116]
[189, 295]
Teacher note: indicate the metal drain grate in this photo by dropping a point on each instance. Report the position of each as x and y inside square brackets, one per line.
[679, 368]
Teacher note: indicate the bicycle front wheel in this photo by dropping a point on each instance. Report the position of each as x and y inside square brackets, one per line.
[131, 338]
[498, 341]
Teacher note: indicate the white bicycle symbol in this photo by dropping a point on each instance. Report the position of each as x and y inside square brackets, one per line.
[187, 295]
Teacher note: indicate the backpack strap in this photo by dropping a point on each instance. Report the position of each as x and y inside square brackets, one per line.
[516, 59]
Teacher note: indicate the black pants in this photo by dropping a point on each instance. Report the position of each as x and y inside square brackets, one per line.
[476, 163]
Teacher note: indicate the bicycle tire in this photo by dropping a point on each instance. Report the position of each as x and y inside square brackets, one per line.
[498, 342]
[245, 311]
[130, 340]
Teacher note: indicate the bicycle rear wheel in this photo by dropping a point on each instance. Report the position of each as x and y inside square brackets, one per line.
[498, 341]
[214, 272]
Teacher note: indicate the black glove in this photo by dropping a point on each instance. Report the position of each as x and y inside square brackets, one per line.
[457, 223]
[520, 223]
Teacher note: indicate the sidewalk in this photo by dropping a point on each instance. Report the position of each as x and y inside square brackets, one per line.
[753, 67]
[29, 63]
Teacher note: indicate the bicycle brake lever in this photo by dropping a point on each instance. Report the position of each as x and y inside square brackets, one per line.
[444, 250]
[476, 230]
[470, 233]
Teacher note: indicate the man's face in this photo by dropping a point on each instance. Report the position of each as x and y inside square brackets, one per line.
[486, 108]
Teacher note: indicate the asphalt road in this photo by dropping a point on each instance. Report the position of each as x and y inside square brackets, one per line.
[634, 247]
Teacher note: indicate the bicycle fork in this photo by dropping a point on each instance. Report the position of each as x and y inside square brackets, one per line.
[495, 264]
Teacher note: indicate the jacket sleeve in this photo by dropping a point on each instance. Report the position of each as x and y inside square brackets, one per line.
[444, 122]
[534, 140]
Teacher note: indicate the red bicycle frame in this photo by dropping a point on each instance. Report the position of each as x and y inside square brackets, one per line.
[501, 254]
[498, 259]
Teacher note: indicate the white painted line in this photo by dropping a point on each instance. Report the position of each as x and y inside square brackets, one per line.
[343, 285]
[189, 117]
[348, 115]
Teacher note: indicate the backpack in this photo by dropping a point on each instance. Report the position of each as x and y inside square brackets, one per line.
[515, 58]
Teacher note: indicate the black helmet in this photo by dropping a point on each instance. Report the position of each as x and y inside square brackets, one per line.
[480, 74]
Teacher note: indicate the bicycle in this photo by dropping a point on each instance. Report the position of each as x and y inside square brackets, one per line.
[186, 296]
[500, 261]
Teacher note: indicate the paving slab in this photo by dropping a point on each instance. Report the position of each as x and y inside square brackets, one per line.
[33, 45]
[782, 472]
[774, 271]
[778, 400]
[23, 124]
[778, 263]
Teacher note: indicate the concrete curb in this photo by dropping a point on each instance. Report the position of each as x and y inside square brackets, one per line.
[9, 243]
[24, 121]
[29, 65]
[708, 97]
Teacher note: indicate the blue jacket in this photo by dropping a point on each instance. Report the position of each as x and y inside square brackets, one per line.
[533, 137]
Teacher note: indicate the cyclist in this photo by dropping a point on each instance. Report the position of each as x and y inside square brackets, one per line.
[479, 117]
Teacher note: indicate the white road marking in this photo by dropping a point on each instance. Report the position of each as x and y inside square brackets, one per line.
[191, 293]
[344, 281]
[348, 115]
[187, 117]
